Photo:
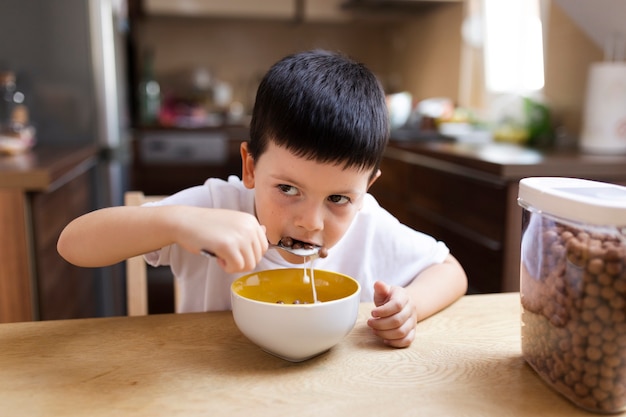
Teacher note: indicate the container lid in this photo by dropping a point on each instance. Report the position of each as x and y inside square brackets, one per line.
[584, 201]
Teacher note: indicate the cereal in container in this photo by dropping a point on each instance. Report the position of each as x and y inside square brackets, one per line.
[573, 288]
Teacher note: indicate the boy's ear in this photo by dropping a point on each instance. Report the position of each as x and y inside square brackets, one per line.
[247, 166]
[374, 178]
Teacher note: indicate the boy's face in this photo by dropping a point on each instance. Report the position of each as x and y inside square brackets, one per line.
[303, 199]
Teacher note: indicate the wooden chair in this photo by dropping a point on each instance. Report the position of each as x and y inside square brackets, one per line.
[136, 268]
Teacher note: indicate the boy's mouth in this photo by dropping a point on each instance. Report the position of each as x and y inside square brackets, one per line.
[295, 243]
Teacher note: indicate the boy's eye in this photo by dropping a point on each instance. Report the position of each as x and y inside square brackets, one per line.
[339, 199]
[288, 189]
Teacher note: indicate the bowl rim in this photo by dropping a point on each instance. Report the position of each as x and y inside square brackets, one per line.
[356, 293]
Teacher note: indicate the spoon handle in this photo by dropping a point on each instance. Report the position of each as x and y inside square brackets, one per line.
[303, 252]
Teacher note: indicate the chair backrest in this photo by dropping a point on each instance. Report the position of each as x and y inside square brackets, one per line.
[136, 268]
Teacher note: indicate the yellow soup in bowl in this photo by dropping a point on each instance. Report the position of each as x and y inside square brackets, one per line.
[275, 309]
[293, 286]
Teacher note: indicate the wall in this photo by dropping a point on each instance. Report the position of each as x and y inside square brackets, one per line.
[420, 54]
[427, 53]
[240, 52]
[569, 53]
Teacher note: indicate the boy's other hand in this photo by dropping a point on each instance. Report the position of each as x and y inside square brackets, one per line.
[395, 317]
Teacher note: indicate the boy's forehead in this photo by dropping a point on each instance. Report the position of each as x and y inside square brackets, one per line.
[285, 154]
[289, 165]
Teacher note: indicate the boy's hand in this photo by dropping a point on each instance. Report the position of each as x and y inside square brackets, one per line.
[395, 317]
[235, 238]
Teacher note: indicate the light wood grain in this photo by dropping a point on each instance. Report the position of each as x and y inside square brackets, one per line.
[16, 302]
[465, 361]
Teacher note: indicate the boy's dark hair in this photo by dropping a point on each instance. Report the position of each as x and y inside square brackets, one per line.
[322, 106]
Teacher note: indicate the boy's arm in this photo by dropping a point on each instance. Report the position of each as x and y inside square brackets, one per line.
[111, 235]
[437, 287]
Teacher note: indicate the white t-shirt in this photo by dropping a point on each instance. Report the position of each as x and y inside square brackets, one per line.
[375, 247]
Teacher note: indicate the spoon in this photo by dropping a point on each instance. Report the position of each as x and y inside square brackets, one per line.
[305, 251]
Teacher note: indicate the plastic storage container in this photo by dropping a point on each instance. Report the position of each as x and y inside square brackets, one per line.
[573, 288]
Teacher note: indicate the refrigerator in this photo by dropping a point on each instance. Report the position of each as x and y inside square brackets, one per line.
[70, 58]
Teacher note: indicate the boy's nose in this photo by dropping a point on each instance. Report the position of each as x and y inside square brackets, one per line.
[310, 217]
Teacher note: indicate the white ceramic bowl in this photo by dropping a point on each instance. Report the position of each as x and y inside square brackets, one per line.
[295, 332]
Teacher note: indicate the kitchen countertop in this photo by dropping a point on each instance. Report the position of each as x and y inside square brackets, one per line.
[508, 162]
[466, 195]
[43, 168]
[465, 361]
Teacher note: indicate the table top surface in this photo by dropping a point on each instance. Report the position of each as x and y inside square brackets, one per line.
[465, 361]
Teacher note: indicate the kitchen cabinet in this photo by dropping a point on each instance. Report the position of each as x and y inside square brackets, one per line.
[266, 9]
[40, 192]
[466, 196]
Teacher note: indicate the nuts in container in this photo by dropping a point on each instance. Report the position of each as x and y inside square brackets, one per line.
[573, 288]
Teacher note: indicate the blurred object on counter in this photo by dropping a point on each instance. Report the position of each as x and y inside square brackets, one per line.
[195, 98]
[463, 126]
[16, 135]
[416, 124]
[432, 110]
[604, 117]
[149, 92]
[465, 132]
[509, 119]
[17, 143]
[436, 119]
[521, 120]
[236, 113]
[409, 134]
[427, 112]
[540, 130]
[399, 106]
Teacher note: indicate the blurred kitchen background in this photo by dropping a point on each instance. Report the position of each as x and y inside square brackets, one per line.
[105, 96]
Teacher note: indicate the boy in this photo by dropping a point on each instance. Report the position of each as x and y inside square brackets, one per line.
[318, 131]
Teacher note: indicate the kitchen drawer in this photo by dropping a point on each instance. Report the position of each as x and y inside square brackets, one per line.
[391, 188]
[476, 206]
[482, 261]
[466, 212]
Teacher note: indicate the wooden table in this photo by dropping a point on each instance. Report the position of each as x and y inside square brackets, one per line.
[465, 361]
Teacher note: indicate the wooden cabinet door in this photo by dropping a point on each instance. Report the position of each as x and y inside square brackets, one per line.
[64, 291]
[16, 301]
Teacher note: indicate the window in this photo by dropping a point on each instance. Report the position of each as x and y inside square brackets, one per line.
[513, 46]
[502, 51]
